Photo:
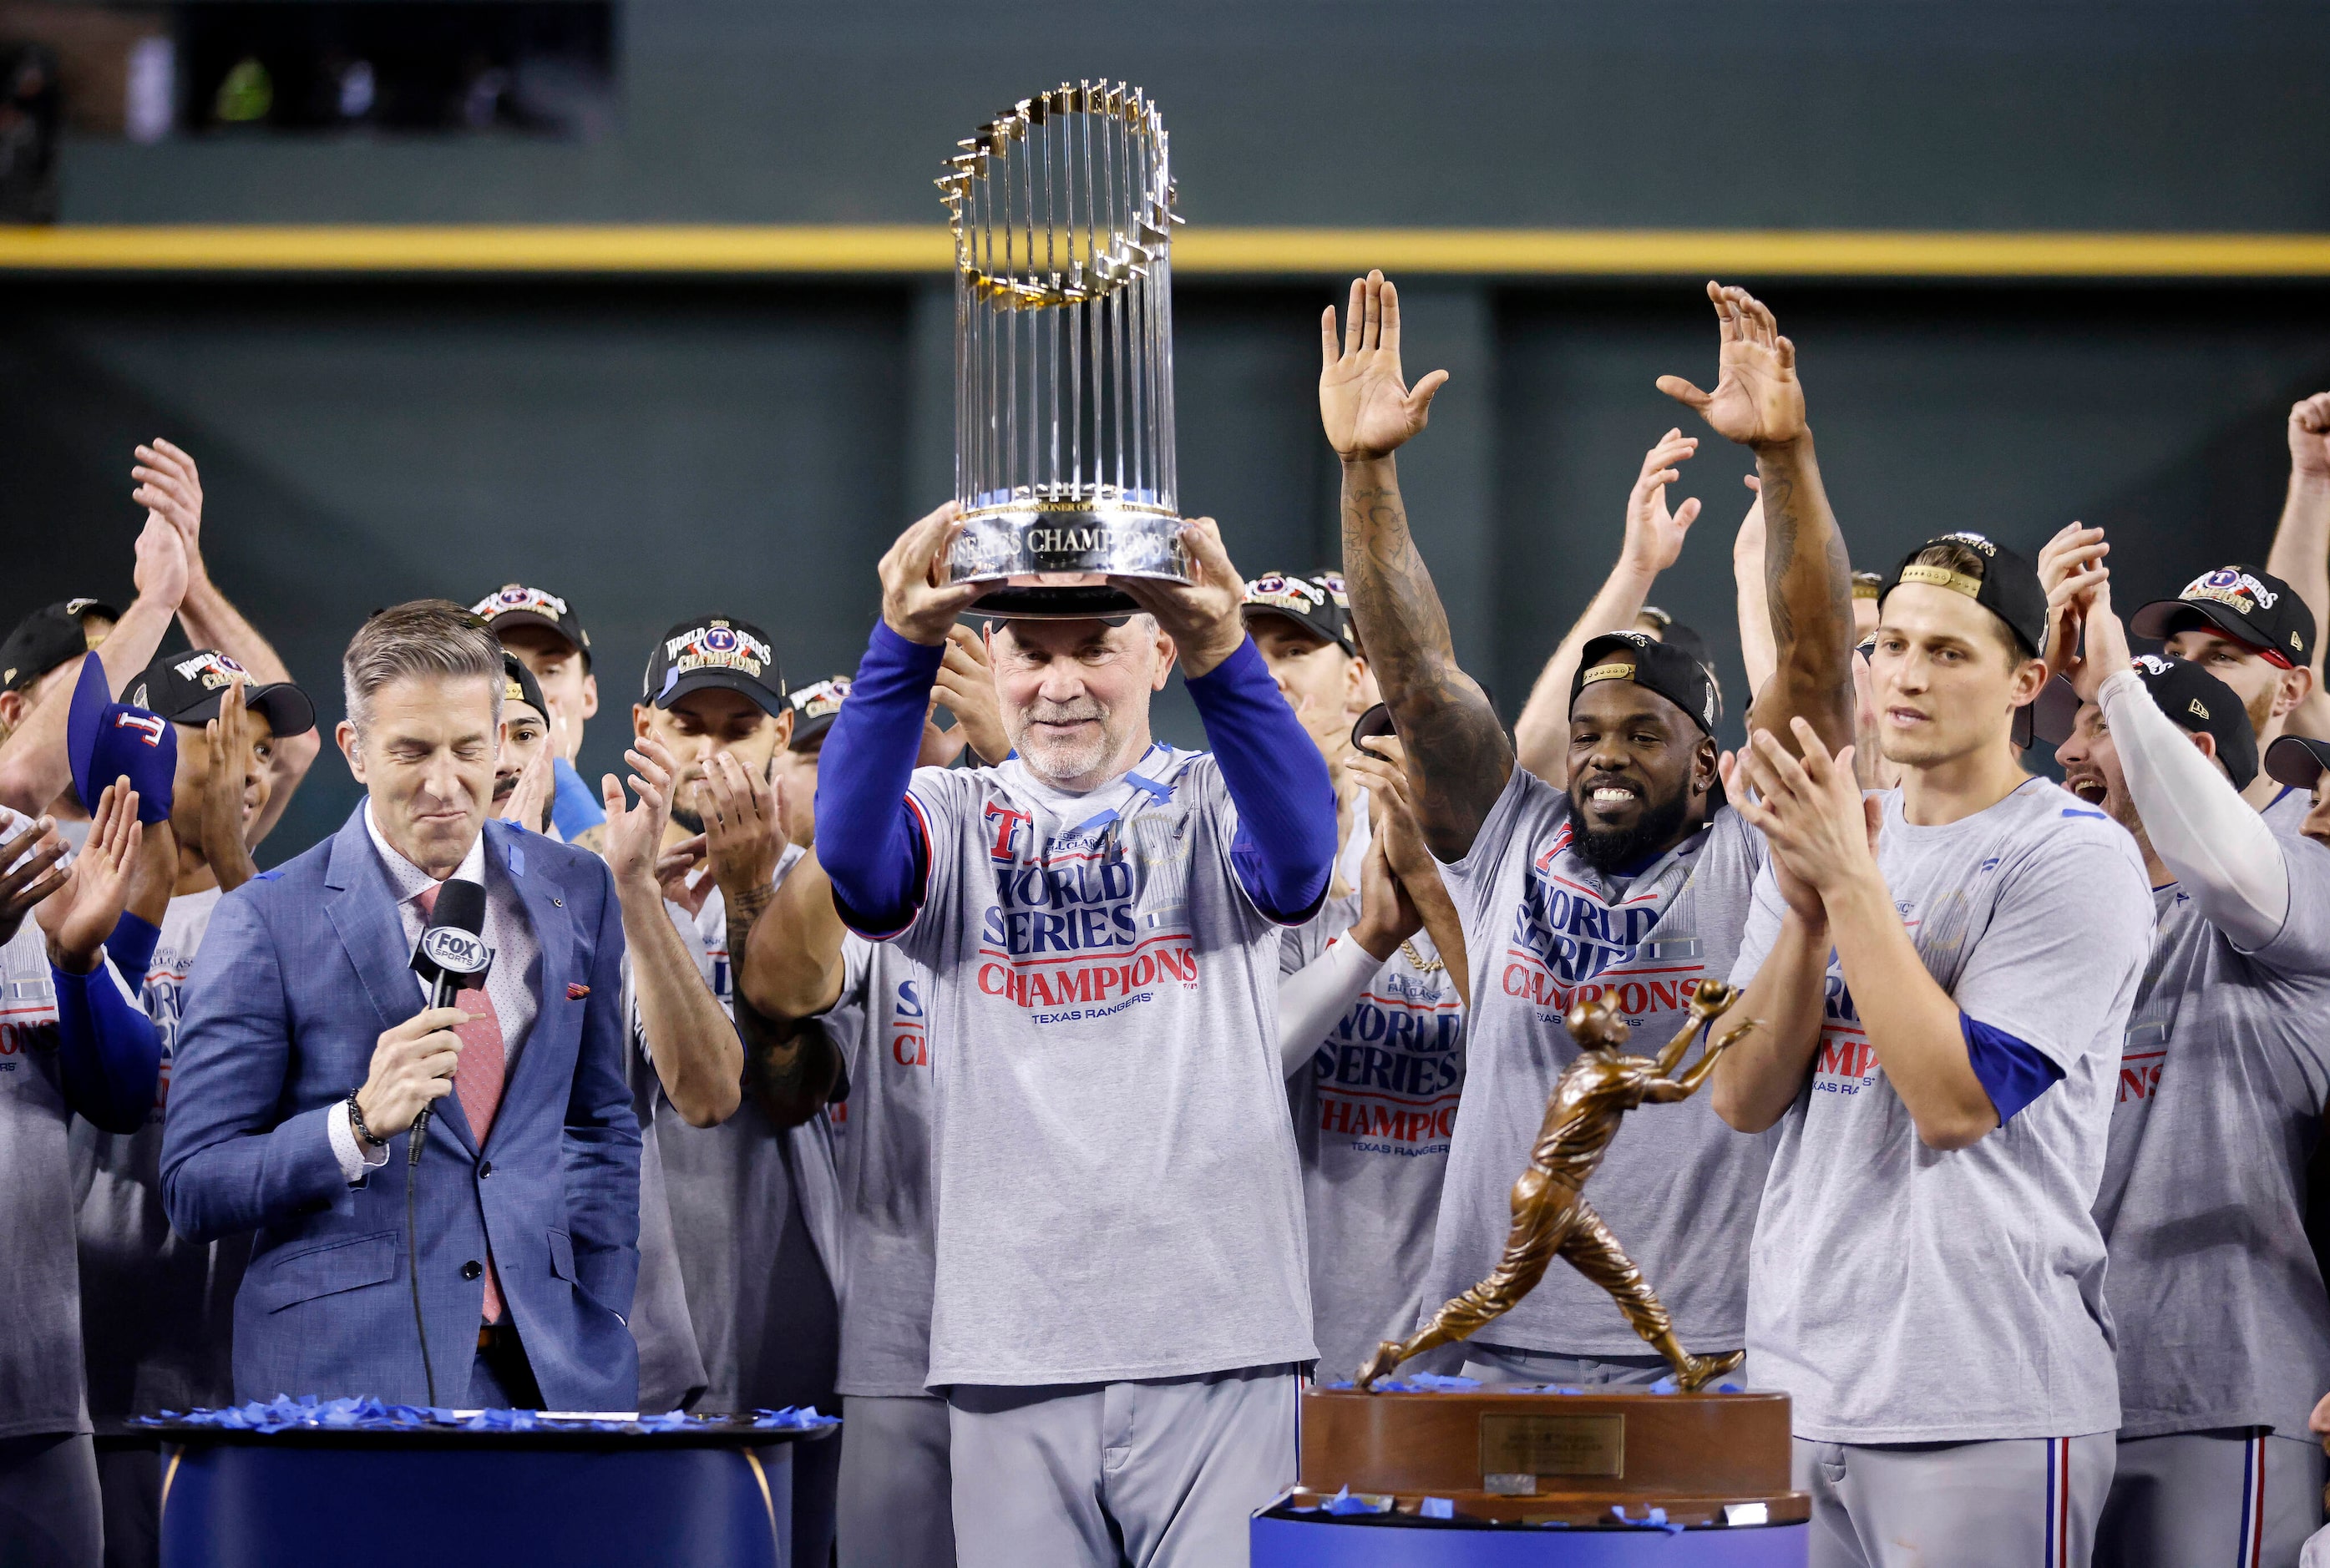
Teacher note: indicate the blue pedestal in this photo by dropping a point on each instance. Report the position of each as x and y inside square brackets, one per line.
[241, 1500]
[1330, 1542]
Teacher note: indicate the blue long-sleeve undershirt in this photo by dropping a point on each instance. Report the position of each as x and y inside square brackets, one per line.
[1285, 846]
[107, 1053]
[131, 947]
[871, 844]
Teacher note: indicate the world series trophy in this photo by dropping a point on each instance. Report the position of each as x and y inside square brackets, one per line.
[1679, 1454]
[1062, 208]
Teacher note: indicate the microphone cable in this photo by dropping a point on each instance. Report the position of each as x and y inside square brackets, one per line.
[412, 1244]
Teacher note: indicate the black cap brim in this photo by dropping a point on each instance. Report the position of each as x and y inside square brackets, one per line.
[510, 617]
[287, 710]
[770, 703]
[2298, 761]
[1253, 612]
[2157, 621]
[809, 734]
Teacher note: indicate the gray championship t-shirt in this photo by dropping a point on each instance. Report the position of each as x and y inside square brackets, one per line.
[2218, 1304]
[1374, 1108]
[1679, 1187]
[882, 1145]
[2285, 812]
[753, 1212]
[1117, 1186]
[158, 1312]
[1903, 1294]
[40, 1353]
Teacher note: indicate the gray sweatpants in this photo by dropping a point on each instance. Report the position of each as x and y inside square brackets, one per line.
[1505, 1364]
[2215, 1499]
[1970, 1504]
[896, 1505]
[1172, 1469]
[50, 1516]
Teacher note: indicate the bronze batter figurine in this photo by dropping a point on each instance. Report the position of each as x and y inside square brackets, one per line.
[1550, 1213]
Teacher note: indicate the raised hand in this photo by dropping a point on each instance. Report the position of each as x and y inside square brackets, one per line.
[634, 839]
[83, 913]
[2106, 652]
[966, 688]
[1654, 534]
[161, 571]
[169, 487]
[1201, 616]
[2071, 571]
[1758, 400]
[2309, 436]
[1382, 761]
[1364, 400]
[913, 603]
[1388, 916]
[225, 827]
[30, 854]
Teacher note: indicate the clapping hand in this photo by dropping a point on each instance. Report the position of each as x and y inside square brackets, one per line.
[81, 914]
[1364, 400]
[744, 836]
[1758, 400]
[1821, 830]
[225, 827]
[966, 688]
[30, 854]
[532, 791]
[171, 488]
[634, 840]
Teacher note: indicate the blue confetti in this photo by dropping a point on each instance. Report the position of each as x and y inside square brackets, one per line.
[1343, 1503]
[285, 1413]
[1436, 1508]
[1729, 1388]
[1665, 1385]
[1651, 1519]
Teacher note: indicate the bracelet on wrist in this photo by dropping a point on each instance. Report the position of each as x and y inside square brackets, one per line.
[356, 1123]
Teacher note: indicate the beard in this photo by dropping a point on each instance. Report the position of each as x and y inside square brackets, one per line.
[687, 817]
[1612, 850]
[1058, 758]
[2261, 709]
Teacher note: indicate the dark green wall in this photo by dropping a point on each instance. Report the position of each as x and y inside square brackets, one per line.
[654, 451]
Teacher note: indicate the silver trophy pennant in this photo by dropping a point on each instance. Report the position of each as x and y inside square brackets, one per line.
[1063, 213]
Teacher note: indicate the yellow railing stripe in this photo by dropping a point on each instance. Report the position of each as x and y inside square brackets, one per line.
[900, 248]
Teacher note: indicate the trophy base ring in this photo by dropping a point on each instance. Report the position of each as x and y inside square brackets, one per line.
[1053, 561]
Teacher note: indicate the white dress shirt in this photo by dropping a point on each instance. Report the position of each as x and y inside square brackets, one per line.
[512, 984]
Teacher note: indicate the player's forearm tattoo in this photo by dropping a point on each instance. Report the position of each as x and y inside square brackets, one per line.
[790, 1071]
[1457, 752]
[1808, 595]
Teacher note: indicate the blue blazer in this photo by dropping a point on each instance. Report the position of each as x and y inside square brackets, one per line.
[299, 973]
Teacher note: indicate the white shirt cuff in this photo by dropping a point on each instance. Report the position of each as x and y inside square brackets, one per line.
[356, 1157]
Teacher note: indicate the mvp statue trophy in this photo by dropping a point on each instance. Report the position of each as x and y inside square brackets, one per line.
[1690, 1470]
[1063, 210]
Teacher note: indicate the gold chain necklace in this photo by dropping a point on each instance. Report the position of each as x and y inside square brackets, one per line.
[1424, 966]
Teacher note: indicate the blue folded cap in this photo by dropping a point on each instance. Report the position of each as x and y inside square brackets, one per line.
[105, 740]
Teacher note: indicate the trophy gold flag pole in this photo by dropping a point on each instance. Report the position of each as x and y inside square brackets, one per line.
[1062, 209]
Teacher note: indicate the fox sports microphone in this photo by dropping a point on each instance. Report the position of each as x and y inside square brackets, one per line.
[451, 955]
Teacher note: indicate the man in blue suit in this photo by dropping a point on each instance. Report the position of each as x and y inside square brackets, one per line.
[307, 1051]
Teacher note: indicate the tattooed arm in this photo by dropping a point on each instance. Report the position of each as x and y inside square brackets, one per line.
[1759, 403]
[1458, 756]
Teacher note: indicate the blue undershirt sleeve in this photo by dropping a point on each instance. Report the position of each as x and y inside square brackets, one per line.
[131, 947]
[1285, 851]
[108, 1054]
[868, 839]
[2014, 1072]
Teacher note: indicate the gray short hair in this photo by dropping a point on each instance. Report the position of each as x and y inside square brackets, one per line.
[428, 637]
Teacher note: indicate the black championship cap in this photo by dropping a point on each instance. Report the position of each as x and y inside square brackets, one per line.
[2298, 761]
[2007, 585]
[1315, 605]
[714, 650]
[518, 685]
[2185, 692]
[186, 688]
[1676, 635]
[814, 707]
[2248, 606]
[1655, 665]
[46, 638]
[515, 604]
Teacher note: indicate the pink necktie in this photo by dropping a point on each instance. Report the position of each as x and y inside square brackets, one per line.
[478, 1080]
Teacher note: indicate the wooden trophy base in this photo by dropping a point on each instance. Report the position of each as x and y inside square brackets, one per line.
[1706, 1459]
